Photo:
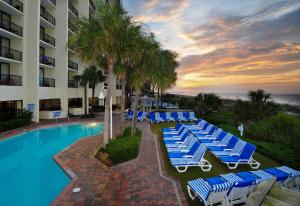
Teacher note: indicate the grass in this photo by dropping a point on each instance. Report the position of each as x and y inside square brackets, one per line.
[195, 172]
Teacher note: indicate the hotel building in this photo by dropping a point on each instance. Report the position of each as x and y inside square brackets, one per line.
[36, 66]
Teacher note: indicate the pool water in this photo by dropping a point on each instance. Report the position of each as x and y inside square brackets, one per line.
[29, 176]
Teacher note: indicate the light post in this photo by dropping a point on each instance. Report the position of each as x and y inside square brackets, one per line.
[102, 96]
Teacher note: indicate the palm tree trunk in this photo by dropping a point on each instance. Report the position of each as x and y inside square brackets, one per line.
[157, 101]
[123, 103]
[135, 106]
[92, 102]
[85, 100]
[107, 103]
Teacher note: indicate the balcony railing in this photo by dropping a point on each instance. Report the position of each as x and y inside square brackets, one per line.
[16, 4]
[10, 53]
[92, 4]
[72, 65]
[11, 27]
[53, 1]
[47, 82]
[46, 38]
[10, 80]
[47, 17]
[73, 84]
[47, 60]
[72, 27]
[73, 9]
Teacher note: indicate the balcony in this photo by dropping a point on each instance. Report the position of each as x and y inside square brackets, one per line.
[11, 54]
[47, 82]
[10, 80]
[16, 4]
[48, 3]
[72, 27]
[10, 27]
[72, 65]
[49, 61]
[46, 38]
[48, 17]
[73, 84]
[73, 10]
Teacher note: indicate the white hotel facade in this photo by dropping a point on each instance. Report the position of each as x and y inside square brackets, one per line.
[36, 65]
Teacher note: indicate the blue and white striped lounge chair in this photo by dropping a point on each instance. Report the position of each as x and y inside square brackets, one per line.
[175, 116]
[175, 135]
[204, 134]
[192, 116]
[229, 144]
[211, 138]
[184, 147]
[245, 157]
[181, 117]
[158, 117]
[182, 164]
[294, 182]
[141, 116]
[129, 114]
[181, 140]
[236, 150]
[248, 176]
[169, 117]
[163, 116]
[185, 153]
[210, 191]
[221, 141]
[281, 176]
[171, 130]
[239, 191]
[152, 118]
[179, 144]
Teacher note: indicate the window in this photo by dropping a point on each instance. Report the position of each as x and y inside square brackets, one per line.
[5, 20]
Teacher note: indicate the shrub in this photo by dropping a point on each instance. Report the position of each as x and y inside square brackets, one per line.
[14, 123]
[125, 147]
[8, 125]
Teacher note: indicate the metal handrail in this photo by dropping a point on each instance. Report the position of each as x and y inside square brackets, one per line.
[10, 80]
[11, 27]
[47, 38]
[16, 4]
[10, 53]
[47, 82]
[47, 16]
[47, 60]
[73, 9]
[72, 65]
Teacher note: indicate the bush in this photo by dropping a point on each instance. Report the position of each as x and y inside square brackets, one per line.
[125, 147]
[14, 123]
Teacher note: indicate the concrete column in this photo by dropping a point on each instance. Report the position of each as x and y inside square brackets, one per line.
[31, 55]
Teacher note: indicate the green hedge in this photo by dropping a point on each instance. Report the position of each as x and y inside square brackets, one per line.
[13, 124]
[124, 147]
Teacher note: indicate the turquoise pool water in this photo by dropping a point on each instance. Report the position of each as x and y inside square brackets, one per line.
[28, 174]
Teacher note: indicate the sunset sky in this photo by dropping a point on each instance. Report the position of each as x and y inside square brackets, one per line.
[228, 46]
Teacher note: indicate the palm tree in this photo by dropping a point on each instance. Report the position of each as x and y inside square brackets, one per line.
[95, 77]
[83, 81]
[109, 34]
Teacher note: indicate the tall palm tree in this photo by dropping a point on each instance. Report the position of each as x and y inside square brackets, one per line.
[95, 77]
[109, 34]
[83, 81]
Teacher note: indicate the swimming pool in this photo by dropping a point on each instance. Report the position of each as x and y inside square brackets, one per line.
[28, 173]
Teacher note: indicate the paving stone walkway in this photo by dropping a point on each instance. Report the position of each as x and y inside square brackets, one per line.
[138, 182]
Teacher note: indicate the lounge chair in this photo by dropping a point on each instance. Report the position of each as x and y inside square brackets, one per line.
[236, 150]
[185, 153]
[141, 116]
[199, 124]
[211, 138]
[239, 191]
[181, 117]
[204, 134]
[244, 158]
[175, 135]
[186, 116]
[182, 164]
[209, 191]
[228, 144]
[169, 117]
[294, 182]
[221, 141]
[158, 117]
[192, 116]
[186, 139]
[174, 115]
[172, 129]
[281, 176]
[152, 118]
[163, 116]
[185, 147]
[180, 140]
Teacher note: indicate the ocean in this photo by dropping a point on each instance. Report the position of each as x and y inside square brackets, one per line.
[291, 99]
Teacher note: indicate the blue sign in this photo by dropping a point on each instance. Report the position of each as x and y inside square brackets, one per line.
[56, 114]
[30, 107]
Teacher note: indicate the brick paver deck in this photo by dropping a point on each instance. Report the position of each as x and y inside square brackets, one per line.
[138, 182]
